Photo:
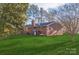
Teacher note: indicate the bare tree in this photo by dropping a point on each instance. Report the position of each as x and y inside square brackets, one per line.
[51, 14]
[68, 15]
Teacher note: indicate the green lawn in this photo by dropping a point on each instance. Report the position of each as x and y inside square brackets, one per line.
[37, 45]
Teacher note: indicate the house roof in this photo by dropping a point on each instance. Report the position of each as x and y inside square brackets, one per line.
[42, 24]
[55, 25]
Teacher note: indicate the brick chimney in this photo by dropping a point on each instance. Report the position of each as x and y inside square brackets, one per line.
[33, 23]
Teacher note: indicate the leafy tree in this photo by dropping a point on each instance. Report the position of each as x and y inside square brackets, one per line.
[13, 16]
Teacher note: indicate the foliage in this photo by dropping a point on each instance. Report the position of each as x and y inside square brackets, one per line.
[12, 16]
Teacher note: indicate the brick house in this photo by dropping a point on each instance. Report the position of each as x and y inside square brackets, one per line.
[47, 28]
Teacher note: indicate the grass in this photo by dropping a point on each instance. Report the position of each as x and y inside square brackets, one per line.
[39, 45]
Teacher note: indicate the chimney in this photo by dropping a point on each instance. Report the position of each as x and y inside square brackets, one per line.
[33, 23]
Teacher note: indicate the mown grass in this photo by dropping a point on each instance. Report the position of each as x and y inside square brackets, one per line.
[39, 45]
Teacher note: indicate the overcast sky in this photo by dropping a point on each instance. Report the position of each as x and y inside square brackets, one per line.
[48, 5]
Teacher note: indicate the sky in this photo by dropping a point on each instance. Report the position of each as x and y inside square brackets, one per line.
[49, 5]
